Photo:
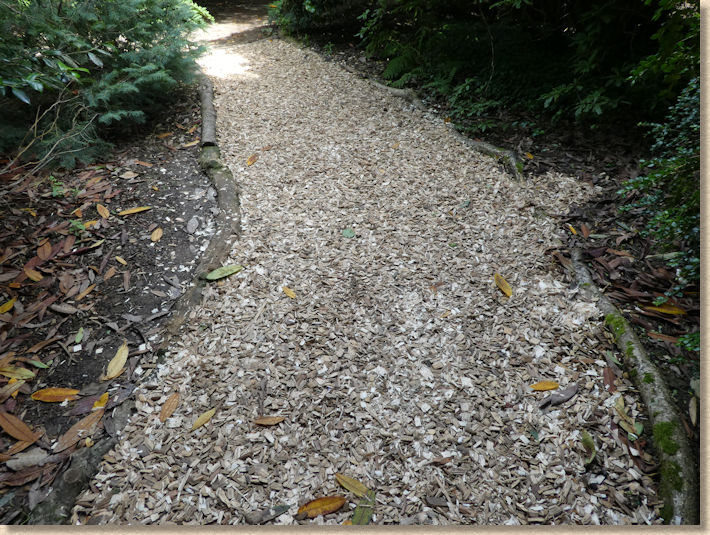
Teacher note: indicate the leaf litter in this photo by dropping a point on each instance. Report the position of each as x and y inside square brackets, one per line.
[368, 369]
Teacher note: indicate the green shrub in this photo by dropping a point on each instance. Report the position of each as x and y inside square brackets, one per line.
[69, 69]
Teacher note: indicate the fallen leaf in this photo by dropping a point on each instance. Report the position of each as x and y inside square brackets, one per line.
[352, 484]
[17, 372]
[664, 337]
[269, 420]
[693, 410]
[10, 388]
[164, 135]
[128, 175]
[55, 395]
[529, 155]
[144, 164]
[666, 309]
[630, 429]
[503, 284]
[588, 443]
[252, 159]
[101, 402]
[33, 274]
[120, 260]
[80, 430]
[585, 230]
[16, 428]
[203, 418]
[79, 335]
[109, 273]
[7, 306]
[348, 233]
[136, 210]
[364, 510]
[115, 367]
[191, 143]
[619, 252]
[169, 407]
[572, 229]
[609, 378]
[85, 293]
[223, 271]
[103, 211]
[44, 251]
[320, 506]
[156, 235]
[545, 385]
[289, 292]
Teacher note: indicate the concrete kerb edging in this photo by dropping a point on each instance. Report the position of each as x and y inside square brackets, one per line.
[679, 482]
[56, 508]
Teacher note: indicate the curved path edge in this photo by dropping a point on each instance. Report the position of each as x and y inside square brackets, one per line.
[56, 508]
[679, 484]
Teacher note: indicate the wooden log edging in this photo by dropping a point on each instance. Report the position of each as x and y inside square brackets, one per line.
[679, 481]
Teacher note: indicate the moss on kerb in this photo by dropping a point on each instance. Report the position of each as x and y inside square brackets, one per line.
[648, 378]
[670, 481]
[629, 349]
[616, 324]
[663, 435]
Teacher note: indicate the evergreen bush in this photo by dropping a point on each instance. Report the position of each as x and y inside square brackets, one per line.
[71, 68]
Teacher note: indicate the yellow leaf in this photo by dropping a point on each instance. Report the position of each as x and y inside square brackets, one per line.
[15, 381]
[529, 156]
[101, 402]
[503, 284]
[545, 385]
[321, 506]
[572, 229]
[103, 211]
[55, 395]
[156, 235]
[169, 407]
[353, 485]
[88, 442]
[120, 260]
[8, 305]
[16, 372]
[666, 309]
[136, 210]
[92, 223]
[164, 135]
[191, 144]
[269, 420]
[252, 159]
[33, 275]
[115, 367]
[203, 418]
[289, 292]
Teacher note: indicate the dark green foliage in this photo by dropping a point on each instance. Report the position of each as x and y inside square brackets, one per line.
[69, 68]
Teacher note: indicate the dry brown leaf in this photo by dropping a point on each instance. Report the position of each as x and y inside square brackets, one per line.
[321, 506]
[136, 210]
[55, 395]
[156, 235]
[352, 484]
[269, 420]
[164, 135]
[252, 159]
[191, 143]
[85, 293]
[169, 406]
[545, 385]
[10, 389]
[289, 292]
[115, 367]
[103, 211]
[585, 230]
[80, 430]
[503, 284]
[16, 428]
[110, 273]
[44, 250]
[203, 418]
